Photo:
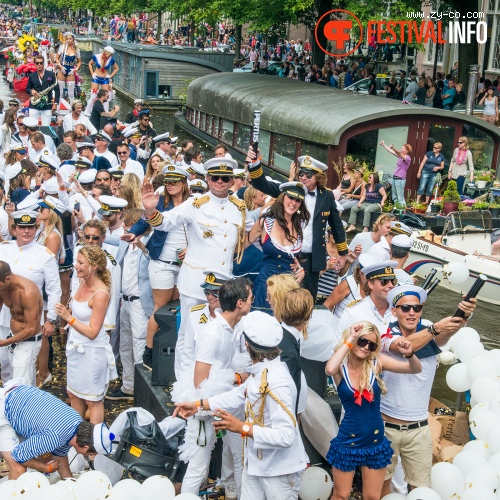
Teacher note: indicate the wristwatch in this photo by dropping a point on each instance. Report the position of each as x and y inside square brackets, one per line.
[245, 430]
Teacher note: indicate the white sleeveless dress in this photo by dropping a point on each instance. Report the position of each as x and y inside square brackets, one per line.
[90, 363]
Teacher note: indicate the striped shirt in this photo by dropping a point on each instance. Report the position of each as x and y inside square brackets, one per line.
[46, 423]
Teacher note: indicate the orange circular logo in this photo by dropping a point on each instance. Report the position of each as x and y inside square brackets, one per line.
[338, 32]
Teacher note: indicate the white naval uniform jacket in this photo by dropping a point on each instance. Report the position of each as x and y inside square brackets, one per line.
[275, 449]
[38, 264]
[212, 230]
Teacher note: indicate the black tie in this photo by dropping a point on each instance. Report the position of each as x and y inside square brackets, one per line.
[311, 193]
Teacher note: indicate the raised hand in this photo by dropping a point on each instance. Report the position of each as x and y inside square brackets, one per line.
[149, 198]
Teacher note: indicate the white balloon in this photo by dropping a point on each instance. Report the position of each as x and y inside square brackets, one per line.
[494, 461]
[423, 493]
[478, 408]
[447, 480]
[11, 486]
[157, 488]
[70, 483]
[394, 496]
[128, 484]
[121, 494]
[482, 366]
[484, 476]
[494, 404]
[494, 355]
[32, 480]
[447, 358]
[457, 377]
[92, 484]
[58, 492]
[482, 424]
[187, 496]
[478, 493]
[316, 484]
[493, 440]
[479, 446]
[466, 460]
[456, 272]
[472, 402]
[483, 389]
[467, 348]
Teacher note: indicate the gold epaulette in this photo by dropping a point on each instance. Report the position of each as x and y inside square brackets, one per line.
[354, 302]
[239, 203]
[110, 257]
[199, 307]
[49, 252]
[198, 202]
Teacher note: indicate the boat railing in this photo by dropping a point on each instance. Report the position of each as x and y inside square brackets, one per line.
[468, 222]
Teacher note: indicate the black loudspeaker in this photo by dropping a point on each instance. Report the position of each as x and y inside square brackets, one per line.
[314, 371]
[164, 344]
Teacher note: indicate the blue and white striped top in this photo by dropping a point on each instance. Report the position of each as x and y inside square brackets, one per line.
[46, 422]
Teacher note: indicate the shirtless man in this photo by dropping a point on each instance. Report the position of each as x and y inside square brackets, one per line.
[25, 302]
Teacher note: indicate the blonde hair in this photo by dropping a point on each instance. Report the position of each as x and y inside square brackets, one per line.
[438, 145]
[297, 309]
[127, 194]
[54, 222]
[248, 197]
[134, 183]
[150, 173]
[464, 140]
[368, 366]
[277, 288]
[97, 257]
[382, 219]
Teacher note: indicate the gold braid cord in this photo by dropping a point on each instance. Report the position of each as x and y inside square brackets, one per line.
[240, 245]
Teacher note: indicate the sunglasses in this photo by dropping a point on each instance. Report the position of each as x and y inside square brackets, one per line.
[302, 173]
[224, 178]
[362, 342]
[102, 179]
[213, 293]
[407, 307]
[197, 191]
[145, 119]
[171, 183]
[92, 237]
[460, 142]
[20, 124]
[121, 153]
[386, 281]
[39, 63]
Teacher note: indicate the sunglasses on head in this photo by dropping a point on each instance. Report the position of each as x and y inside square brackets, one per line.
[303, 173]
[92, 237]
[371, 346]
[213, 293]
[223, 178]
[386, 281]
[407, 307]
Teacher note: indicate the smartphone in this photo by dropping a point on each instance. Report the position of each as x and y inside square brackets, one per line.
[77, 206]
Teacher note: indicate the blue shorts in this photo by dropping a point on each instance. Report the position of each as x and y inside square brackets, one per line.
[100, 80]
[68, 68]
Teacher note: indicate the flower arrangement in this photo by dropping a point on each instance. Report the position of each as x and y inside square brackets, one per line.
[27, 42]
[486, 176]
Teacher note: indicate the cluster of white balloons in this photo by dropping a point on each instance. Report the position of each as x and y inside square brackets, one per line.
[92, 485]
[316, 484]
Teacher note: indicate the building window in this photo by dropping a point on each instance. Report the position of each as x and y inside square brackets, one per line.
[495, 63]
[151, 84]
[481, 146]
[243, 137]
[283, 152]
[264, 145]
[317, 151]
[227, 131]
[431, 52]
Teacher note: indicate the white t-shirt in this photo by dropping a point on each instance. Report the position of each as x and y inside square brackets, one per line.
[363, 239]
[216, 343]
[176, 238]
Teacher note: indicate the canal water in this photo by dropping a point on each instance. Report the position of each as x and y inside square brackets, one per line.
[442, 302]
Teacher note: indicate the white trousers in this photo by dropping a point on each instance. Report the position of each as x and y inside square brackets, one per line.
[45, 116]
[5, 366]
[133, 325]
[231, 461]
[186, 304]
[284, 487]
[23, 361]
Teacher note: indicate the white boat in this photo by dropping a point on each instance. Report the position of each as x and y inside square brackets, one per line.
[466, 239]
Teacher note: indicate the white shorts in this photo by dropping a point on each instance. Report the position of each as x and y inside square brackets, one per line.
[163, 276]
[8, 437]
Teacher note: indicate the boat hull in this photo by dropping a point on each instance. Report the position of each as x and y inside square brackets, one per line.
[425, 256]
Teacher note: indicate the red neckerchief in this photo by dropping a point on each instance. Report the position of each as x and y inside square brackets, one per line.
[387, 334]
[365, 394]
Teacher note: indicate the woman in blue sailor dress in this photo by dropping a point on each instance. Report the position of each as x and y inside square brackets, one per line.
[356, 367]
[68, 63]
[280, 233]
[103, 68]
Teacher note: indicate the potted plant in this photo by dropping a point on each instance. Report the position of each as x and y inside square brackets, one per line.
[495, 209]
[387, 207]
[451, 198]
[436, 207]
[419, 208]
[399, 209]
[483, 178]
[481, 205]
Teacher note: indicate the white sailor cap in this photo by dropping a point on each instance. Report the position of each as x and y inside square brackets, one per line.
[400, 228]
[240, 173]
[193, 168]
[12, 171]
[381, 269]
[116, 172]
[166, 137]
[139, 101]
[399, 292]
[24, 217]
[132, 132]
[129, 126]
[294, 189]
[48, 161]
[50, 186]
[83, 145]
[109, 49]
[18, 147]
[88, 176]
[309, 163]
[220, 166]
[215, 279]
[197, 185]
[68, 33]
[54, 204]
[102, 136]
[402, 242]
[366, 259]
[103, 439]
[262, 331]
[228, 156]
[174, 173]
[111, 204]
[30, 122]
[161, 154]
[82, 162]
[28, 204]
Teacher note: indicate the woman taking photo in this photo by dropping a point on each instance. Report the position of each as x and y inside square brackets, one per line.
[356, 367]
[372, 199]
[68, 63]
[280, 232]
[166, 250]
[490, 103]
[460, 163]
[90, 359]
